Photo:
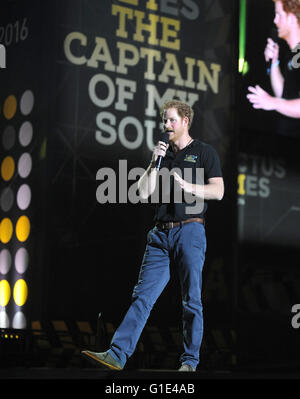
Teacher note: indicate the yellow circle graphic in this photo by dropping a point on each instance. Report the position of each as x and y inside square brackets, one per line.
[23, 228]
[6, 230]
[20, 292]
[10, 107]
[7, 168]
[4, 292]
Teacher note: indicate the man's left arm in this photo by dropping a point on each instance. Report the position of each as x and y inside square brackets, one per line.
[260, 99]
[213, 190]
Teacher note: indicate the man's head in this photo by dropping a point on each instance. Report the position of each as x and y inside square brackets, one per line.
[287, 17]
[177, 118]
[183, 110]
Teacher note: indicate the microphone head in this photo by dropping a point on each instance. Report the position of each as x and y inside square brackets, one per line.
[164, 137]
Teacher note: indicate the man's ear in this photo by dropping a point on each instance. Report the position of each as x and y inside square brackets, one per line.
[186, 121]
[292, 19]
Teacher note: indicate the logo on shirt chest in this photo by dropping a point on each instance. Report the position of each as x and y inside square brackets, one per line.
[191, 158]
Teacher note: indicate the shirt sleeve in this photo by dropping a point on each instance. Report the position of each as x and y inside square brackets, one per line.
[211, 163]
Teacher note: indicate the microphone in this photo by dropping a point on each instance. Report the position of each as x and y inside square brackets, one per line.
[165, 138]
[274, 37]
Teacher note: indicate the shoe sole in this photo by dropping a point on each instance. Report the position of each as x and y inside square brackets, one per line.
[96, 360]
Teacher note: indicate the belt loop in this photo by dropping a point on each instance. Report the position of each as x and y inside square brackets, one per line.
[172, 224]
[180, 223]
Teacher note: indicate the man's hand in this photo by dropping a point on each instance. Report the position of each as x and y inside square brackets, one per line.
[260, 99]
[184, 185]
[213, 190]
[271, 51]
[159, 150]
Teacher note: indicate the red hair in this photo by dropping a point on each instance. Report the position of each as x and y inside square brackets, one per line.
[291, 6]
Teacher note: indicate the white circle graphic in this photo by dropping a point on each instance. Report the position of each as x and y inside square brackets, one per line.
[25, 133]
[24, 165]
[19, 320]
[27, 102]
[4, 320]
[5, 261]
[21, 260]
[23, 196]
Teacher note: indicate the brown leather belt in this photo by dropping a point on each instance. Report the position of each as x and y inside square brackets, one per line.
[170, 225]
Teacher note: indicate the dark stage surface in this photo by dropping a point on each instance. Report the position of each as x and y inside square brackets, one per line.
[141, 374]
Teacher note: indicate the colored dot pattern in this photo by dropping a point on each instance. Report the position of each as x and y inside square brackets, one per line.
[15, 204]
[10, 107]
[7, 168]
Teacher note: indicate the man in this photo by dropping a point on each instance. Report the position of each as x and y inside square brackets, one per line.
[177, 236]
[285, 79]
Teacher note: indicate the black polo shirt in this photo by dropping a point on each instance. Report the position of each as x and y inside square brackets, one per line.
[291, 90]
[195, 155]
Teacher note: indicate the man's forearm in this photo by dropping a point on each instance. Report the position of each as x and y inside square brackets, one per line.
[147, 183]
[277, 80]
[290, 108]
[208, 191]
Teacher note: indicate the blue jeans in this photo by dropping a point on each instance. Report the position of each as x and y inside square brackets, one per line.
[186, 246]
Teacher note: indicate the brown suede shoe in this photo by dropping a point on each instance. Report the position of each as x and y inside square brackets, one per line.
[103, 359]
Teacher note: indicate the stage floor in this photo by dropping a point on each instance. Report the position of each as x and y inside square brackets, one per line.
[44, 373]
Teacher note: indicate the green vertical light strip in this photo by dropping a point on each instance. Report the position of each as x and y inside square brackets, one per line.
[243, 65]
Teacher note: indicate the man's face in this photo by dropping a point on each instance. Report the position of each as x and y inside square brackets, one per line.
[174, 124]
[281, 20]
